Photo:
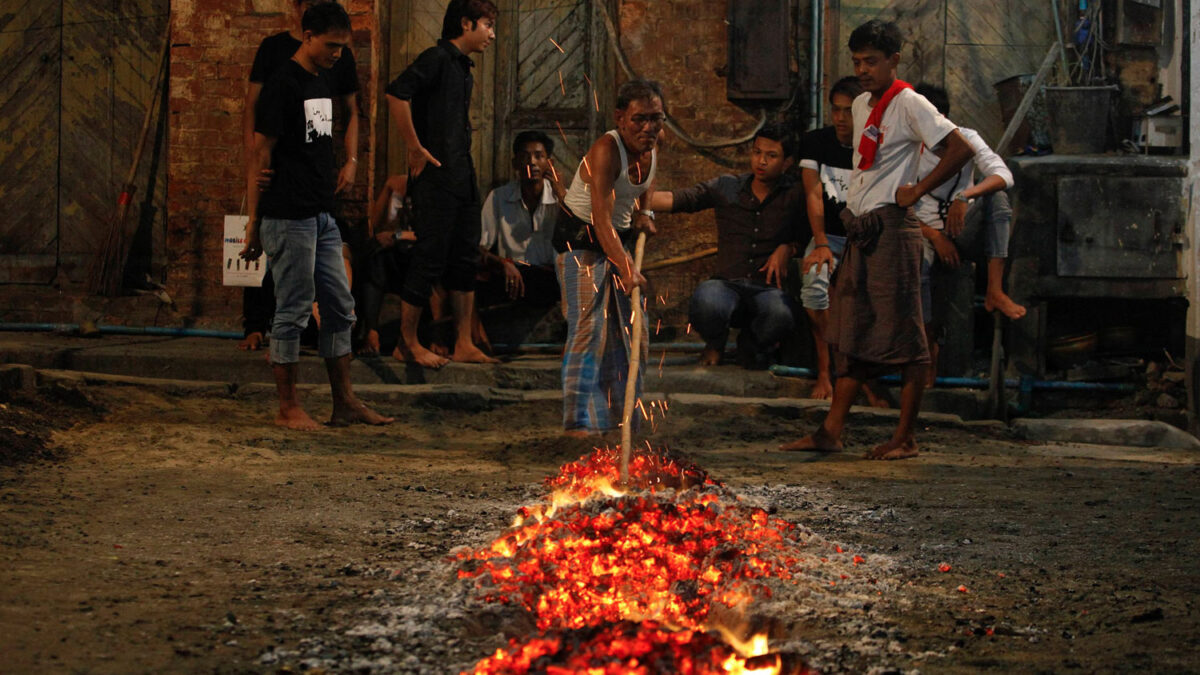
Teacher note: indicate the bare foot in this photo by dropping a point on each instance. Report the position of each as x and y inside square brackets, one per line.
[578, 433]
[894, 449]
[818, 441]
[823, 389]
[710, 357]
[1000, 302]
[419, 355]
[354, 412]
[252, 342]
[440, 349]
[470, 354]
[875, 400]
[295, 418]
[370, 345]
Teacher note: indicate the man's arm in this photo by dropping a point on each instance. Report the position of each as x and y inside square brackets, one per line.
[350, 169]
[997, 177]
[814, 202]
[642, 222]
[418, 156]
[954, 152]
[259, 161]
[252, 93]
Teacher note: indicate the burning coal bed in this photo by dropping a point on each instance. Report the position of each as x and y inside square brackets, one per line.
[675, 573]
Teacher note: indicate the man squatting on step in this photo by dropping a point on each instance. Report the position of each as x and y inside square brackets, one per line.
[875, 314]
[606, 206]
[760, 224]
[293, 135]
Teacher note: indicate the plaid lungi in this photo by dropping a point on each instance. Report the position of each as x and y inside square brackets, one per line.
[596, 357]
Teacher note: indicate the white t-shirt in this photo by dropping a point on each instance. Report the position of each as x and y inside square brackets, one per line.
[909, 121]
[518, 234]
[986, 161]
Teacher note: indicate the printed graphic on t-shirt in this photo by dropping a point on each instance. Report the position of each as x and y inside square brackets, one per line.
[836, 183]
[318, 119]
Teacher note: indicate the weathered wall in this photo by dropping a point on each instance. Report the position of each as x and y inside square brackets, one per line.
[683, 45]
[965, 46]
[212, 48]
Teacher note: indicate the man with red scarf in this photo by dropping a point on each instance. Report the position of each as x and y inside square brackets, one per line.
[875, 310]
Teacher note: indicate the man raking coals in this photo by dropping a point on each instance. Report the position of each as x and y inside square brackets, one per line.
[595, 270]
[875, 318]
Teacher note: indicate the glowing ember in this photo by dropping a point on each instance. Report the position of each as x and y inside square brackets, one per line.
[593, 560]
[628, 647]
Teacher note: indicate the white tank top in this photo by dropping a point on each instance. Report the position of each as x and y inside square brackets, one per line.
[579, 195]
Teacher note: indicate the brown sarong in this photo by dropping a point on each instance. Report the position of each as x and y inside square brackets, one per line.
[875, 320]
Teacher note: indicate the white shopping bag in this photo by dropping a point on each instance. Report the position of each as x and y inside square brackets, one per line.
[238, 272]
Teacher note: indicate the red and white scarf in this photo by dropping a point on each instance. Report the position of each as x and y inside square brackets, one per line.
[872, 136]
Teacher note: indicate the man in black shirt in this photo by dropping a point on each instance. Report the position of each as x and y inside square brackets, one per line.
[293, 136]
[258, 303]
[429, 102]
[825, 166]
[760, 222]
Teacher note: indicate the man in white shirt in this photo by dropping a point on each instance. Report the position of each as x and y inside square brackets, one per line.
[518, 221]
[962, 219]
[875, 318]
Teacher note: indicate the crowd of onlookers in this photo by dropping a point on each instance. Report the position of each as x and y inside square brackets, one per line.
[868, 212]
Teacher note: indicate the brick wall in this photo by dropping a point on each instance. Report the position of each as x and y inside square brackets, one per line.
[213, 46]
[678, 42]
[682, 44]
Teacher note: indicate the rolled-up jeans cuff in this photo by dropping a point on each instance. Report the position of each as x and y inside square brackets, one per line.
[285, 350]
[334, 344]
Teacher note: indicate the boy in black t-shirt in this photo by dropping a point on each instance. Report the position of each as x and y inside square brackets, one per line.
[429, 103]
[293, 136]
[258, 303]
[825, 166]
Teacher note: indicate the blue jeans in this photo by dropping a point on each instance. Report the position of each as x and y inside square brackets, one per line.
[814, 294]
[306, 261]
[718, 304]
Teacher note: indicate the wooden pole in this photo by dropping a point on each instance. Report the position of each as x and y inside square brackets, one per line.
[635, 362]
[108, 266]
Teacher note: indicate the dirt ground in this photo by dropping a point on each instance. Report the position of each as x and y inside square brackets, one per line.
[145, 532]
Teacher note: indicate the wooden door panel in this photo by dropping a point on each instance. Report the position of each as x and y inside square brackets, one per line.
[553, 75]
[88, 187]
[29, 102]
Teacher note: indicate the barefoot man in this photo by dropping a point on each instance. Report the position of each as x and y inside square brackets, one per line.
[293, 135]
[826, 162]
[429, 103]
[962, 219]
[606, 207]
[760, 224]
[875, 314]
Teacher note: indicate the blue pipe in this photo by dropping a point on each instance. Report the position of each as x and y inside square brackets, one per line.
[982, 382]
[165, 331]
[558, 347]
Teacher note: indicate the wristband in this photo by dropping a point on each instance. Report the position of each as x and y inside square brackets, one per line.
[817, 246]
[961, 196]
[648, 213]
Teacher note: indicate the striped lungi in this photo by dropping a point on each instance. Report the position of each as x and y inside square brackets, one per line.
[596, 357]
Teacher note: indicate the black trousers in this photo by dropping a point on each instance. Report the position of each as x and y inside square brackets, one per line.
[447, 247]
[541, 288]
